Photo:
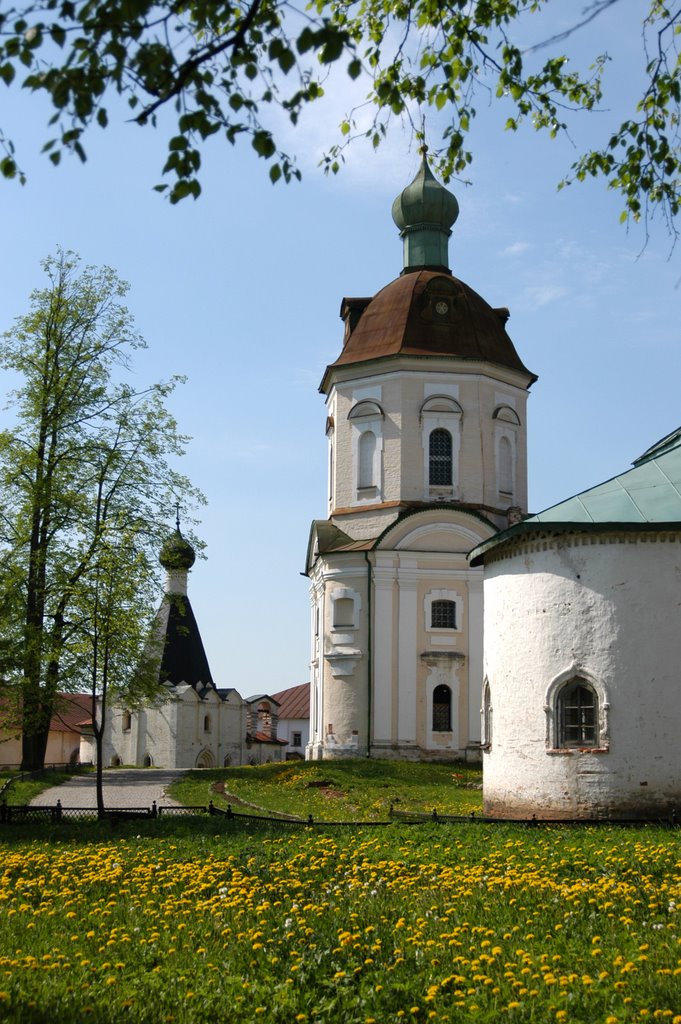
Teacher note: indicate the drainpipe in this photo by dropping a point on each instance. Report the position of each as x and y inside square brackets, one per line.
[369, 657]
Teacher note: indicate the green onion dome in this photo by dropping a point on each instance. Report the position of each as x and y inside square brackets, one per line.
[424, 212]
[177, 553]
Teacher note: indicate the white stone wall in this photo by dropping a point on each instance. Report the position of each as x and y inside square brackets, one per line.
[403, 443]
[422, 559]
[339, 668]
[184, 731]
[606, 608]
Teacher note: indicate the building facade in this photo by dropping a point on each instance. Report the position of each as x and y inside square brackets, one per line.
[426, 426]
[581, 713]
[192, 723]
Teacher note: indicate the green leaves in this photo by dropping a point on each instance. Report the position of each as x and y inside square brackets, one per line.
[224, 67]
[85, 482]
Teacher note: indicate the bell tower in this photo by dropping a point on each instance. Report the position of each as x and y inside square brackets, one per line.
[427, 454]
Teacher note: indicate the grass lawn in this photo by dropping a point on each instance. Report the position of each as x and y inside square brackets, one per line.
[23, 792]
[361, 790]
[185, 923]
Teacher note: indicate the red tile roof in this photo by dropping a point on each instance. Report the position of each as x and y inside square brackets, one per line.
[294, 702]
[70, 711]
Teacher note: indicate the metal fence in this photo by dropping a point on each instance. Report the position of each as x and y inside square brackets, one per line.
[26, 813]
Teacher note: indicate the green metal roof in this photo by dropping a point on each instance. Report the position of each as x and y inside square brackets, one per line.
[646, 497]
[650, 492]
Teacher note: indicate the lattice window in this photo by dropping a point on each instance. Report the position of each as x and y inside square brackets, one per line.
[577, 715]
[443, 615]
[442, 709]
[440, 458]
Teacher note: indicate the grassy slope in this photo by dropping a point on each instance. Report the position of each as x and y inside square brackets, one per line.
[339, 790]
[23, 792]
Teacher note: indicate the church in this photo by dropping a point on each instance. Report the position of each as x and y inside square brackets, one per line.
[427, 459]
[192, 723]
[581, 713]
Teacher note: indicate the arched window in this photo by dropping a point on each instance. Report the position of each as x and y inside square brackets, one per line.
[206, 723]
[127, 721]
[440, 458]
[367, 453]
[577, 715]
[442, 709]
[147, 761]
[505, 466]
[443, 615]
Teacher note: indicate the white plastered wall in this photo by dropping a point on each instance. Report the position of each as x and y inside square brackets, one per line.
[605, 608]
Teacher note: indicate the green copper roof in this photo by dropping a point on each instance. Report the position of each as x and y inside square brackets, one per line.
[424, 212]
[648, 493]
[645, 498]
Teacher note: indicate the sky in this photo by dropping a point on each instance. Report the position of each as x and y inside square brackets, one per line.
[241, 291]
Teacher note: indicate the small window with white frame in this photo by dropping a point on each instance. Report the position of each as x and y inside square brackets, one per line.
[442, 612]
[441, 417]
[577, 715]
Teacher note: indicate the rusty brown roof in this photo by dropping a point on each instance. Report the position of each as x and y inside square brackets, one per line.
[426, 313]
[294, 702]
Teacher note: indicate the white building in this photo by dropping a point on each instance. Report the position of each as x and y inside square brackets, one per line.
[581, 710]
[427, 458]
[294, 719]
[193, 723]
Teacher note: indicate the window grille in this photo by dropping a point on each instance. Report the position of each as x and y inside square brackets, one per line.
[443, 615]
[577, 715]
[442, 709]
[440, 458]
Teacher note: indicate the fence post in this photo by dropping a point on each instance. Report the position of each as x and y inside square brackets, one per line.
[58, 810]
[211, 807]
[154, 809]
[229, 811]
[3, 811]
[310, 819]
[434, 814]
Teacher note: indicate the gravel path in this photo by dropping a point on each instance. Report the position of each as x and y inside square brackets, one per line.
[137, 787]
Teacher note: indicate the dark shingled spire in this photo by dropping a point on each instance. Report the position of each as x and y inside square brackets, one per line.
[176, 632]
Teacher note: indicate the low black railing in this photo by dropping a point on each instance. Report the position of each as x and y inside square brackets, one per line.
[27, 813]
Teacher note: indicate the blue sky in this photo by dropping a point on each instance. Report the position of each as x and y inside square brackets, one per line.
[241, 293]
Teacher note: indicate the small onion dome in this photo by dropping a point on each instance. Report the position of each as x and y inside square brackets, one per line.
[424, 212]
[425, 201]
[177, 553]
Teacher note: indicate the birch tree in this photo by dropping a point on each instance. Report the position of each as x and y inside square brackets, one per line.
[88, 458]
